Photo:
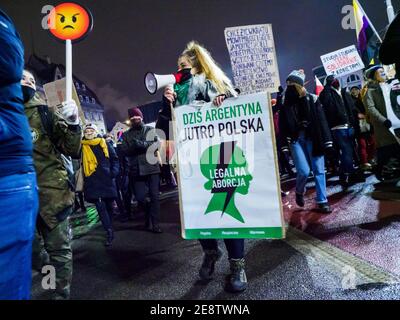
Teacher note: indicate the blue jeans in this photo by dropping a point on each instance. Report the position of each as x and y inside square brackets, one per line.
[344, 139]
[18, 211]
[303, 157]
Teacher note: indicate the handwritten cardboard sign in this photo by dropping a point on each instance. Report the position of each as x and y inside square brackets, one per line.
[342, 62]
[253, 58]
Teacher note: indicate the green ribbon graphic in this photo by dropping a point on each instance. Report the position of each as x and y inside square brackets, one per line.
[226, 169]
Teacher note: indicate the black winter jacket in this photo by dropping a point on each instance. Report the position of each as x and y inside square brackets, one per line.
[338, 110]
[290, 126]
[135, 144]
[101, 184]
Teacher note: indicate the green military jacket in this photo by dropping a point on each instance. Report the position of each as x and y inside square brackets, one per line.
[55, 193]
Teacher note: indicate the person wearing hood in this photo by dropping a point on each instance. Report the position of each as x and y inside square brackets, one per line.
[140, 145]
[304, 130]
[18, 186]
[342, 119]
[380, 96]
[100, 168]
[54, 135]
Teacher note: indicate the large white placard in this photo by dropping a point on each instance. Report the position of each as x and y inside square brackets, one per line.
[228, 177]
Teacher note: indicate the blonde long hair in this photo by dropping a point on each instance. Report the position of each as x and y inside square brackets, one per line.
[201, 59]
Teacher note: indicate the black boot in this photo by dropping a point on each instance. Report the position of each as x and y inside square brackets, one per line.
[156, 228]
[323, 208]
[237, 280]
[208, 266]
[148, 224]
[110, 237]
[300, 200]
[345, 181]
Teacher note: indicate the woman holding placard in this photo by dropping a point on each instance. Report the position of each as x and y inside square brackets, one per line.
[207, 82]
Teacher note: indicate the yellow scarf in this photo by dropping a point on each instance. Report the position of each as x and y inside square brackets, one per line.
[89, 158]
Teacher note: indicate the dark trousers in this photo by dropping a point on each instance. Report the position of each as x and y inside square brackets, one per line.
[284, 164]
[122, 183]
[345, 141]
[79, 201]
[148, 184]
[105, 209]
[384, 154]
[235, 247]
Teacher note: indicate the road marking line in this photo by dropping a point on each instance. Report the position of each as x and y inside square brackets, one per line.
[336, 259]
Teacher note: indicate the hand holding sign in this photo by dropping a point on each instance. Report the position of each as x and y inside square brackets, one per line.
[70, 112]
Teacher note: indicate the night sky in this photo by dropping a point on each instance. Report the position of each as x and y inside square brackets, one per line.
[133, 37]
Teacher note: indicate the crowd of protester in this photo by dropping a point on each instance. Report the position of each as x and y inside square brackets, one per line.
[343, 132]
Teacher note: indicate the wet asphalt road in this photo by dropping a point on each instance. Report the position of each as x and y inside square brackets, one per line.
[361, 236]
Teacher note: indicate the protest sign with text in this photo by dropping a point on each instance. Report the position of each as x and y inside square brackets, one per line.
[342, 62]
[253, 58]
[227, 165]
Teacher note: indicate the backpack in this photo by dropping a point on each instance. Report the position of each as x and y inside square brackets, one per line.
[47, 119]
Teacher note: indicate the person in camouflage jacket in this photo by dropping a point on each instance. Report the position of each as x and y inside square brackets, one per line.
[54, 136]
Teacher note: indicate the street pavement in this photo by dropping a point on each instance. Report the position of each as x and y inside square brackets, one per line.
[350, 254]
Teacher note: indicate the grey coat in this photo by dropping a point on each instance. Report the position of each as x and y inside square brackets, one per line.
[374, 102]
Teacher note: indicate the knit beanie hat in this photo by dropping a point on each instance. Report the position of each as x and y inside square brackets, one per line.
[135, 112]
[91, 126]
[297, 76]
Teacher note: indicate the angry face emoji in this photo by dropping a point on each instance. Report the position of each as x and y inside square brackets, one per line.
[70, 21]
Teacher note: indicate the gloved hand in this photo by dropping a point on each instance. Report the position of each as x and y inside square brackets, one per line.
[279, 94]
[183, 75]
[69, 112]
[387, 123]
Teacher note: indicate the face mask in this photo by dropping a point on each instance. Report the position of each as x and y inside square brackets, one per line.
[291, 93]
[336, 84]
[90, 136]
[135, 124]
[27, 93]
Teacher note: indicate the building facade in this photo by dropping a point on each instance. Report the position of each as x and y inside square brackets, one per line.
[46, 72]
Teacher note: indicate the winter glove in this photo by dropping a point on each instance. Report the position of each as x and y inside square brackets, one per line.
[183, 75]
[387, 123]
[279, 95]
[69, 112]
